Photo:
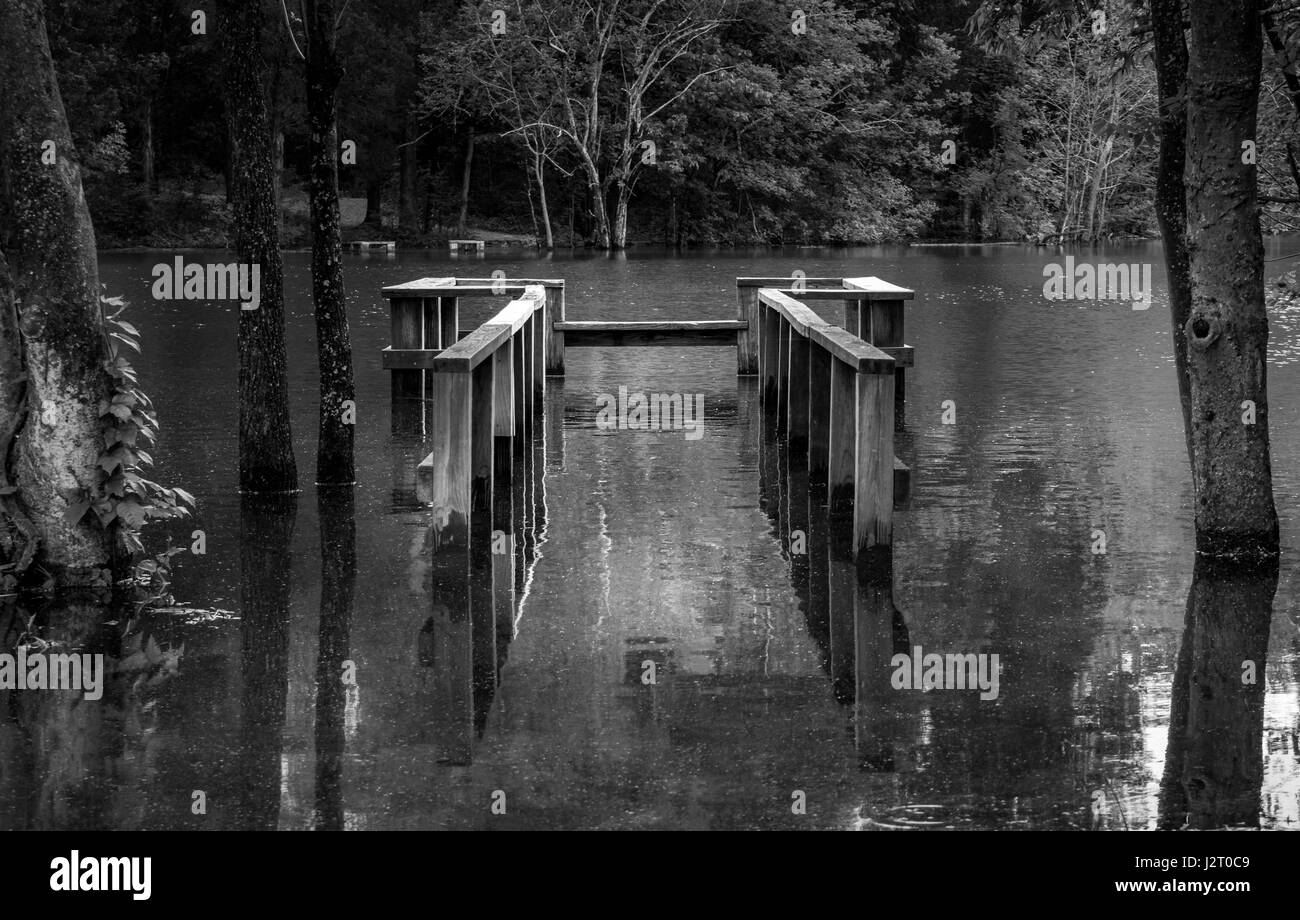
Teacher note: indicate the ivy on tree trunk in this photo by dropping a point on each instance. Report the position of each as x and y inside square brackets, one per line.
[52, 375]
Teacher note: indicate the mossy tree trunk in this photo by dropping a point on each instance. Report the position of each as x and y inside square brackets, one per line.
[52, 347]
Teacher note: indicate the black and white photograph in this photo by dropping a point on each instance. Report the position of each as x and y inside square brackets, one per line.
[629, 415]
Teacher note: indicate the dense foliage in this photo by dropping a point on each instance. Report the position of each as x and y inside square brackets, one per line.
[675, 121]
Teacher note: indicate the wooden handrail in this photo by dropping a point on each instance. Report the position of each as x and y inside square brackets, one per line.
[479, 345]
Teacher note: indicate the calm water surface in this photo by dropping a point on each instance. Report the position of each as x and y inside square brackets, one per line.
[653, 545]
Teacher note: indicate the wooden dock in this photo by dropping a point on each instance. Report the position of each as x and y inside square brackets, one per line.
[833, 392]
[830, 396]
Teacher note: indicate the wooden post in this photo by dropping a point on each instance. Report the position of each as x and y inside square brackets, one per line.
[518, 347]
[450, 563]
[873, 478]
[819, 419]
[406, 332]
[770, 339]
[482, 608]
[853, 318]
[448, 322]
[797, 400]
[503, 536]
[554, 337]
[539, 358]
[748, 339]
[841, 463]
[432, 336]
[783, 375]
[887, 332]
[483, 438]
[530, 379]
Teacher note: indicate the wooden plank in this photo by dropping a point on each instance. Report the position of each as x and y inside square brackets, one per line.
[503, 397]
[887, 331]
[803, 295]
[782, 375]
[848, 349]
[503, 289]
[448, 321]
[517, 374]
[841, 464]
[789, 282]
[801, 317]
[554, 335]
[539, 354]
[483, 392]
[665, 326]
[406, 333]
[797, 405]
[819, 420]
[477, 346]
[903, 355]
[432, 336]
[770, 341]
[873, 478]
[530, 377]
[422, 287]
[489, 282]
[879, 290]
[747, 338]
[471, 351]
[408, 358]
[709, 333]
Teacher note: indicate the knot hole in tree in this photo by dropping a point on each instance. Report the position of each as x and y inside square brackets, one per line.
[1202, 331]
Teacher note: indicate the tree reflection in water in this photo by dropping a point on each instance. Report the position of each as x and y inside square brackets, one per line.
[1214, 762]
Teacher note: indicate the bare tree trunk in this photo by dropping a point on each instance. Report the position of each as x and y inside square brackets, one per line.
[52, 377]
[1171, 193]
[466, 173]
[624, 192]
[1227, 331]
[539, 172]
[266, 461]
[335, 463]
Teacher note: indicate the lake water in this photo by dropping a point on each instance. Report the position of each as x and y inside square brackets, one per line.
[655, 545]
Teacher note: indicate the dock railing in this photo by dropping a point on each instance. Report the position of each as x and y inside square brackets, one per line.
[835, 394]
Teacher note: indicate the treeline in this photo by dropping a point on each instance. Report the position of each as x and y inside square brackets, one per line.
[606, 122]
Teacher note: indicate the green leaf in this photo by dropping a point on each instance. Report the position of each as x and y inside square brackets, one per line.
[184, 496]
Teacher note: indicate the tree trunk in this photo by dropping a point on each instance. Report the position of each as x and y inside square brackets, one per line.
[466, 174]
[148, 171]
[600, 213]
[266, 461]
[408, 164]
[539, 172]
[620, 215]
[1171, 193]
[334, 452]
[52, 377]
[1227, 330]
